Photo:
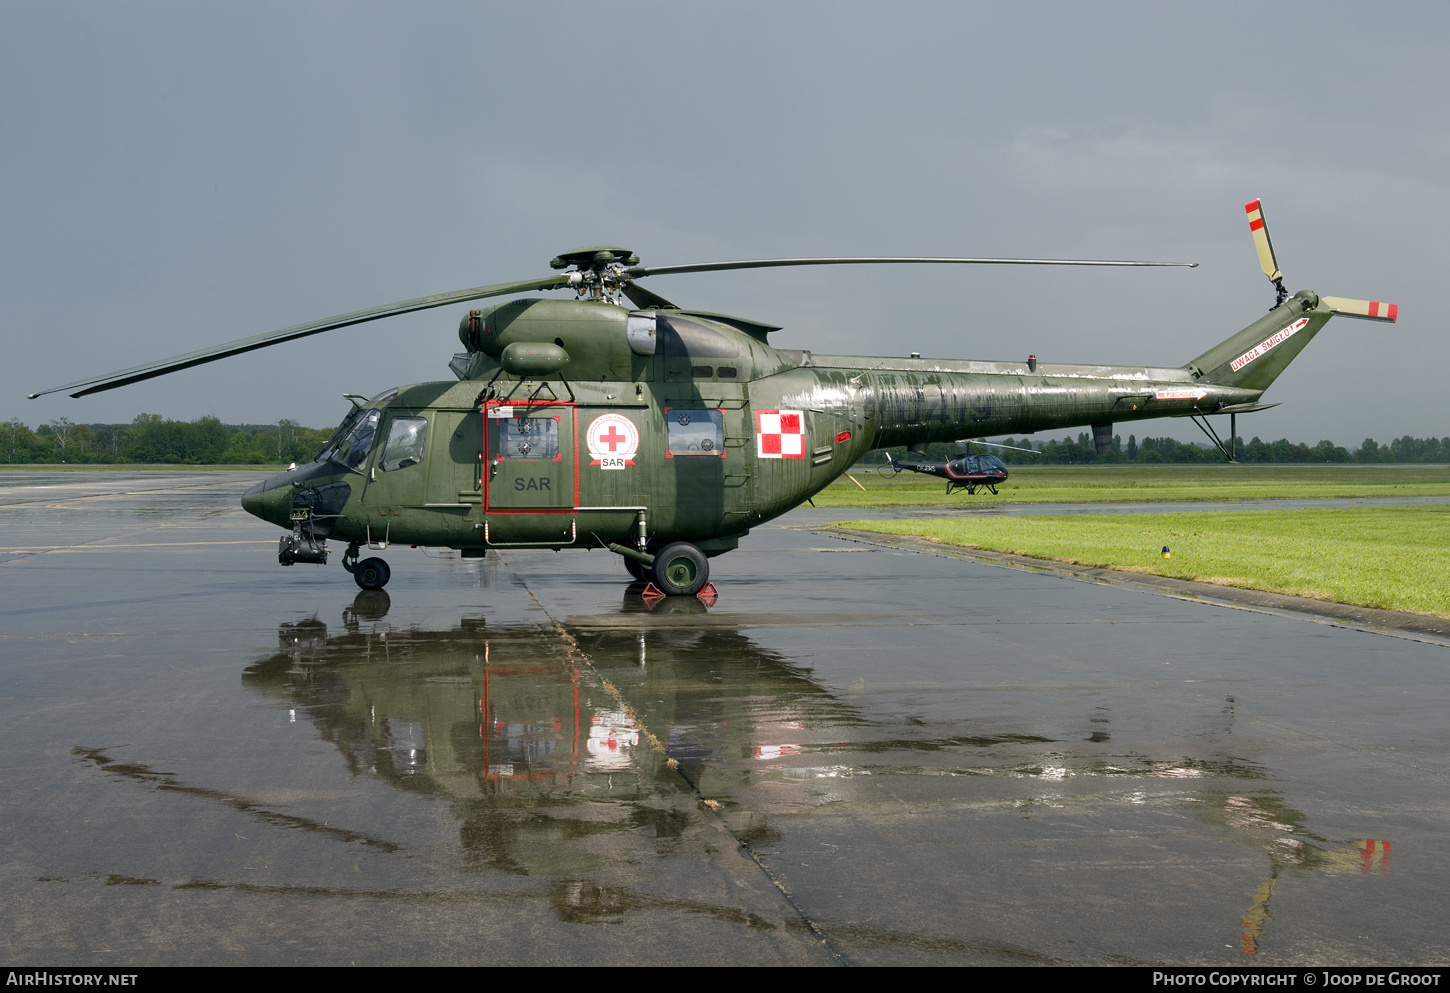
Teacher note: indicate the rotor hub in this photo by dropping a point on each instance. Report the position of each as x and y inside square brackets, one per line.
[596, 272]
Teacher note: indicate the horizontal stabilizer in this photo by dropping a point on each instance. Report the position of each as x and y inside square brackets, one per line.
[1236, 408]
[1369, 310]
[1244, 408]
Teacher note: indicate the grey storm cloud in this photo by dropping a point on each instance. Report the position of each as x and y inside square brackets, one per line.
[177, 175]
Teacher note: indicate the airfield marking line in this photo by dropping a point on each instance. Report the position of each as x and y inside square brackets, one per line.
[1393, 623]
[98, 497]
[141, 544]
[713, 806]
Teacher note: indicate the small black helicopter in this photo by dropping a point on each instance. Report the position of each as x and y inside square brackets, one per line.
[967, 471]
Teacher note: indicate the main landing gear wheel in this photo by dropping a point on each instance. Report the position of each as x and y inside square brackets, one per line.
[681, 569]
[372, 574]
[637, 569]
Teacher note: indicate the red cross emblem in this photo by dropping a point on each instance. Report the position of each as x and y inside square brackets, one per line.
[613, 438]
[613, 441]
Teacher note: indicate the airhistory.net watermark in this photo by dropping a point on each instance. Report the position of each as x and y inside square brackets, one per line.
[47, 977]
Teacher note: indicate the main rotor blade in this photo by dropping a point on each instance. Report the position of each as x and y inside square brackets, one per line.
[637, 272]
[1369, 310]
[151, 370]
[644, 299]
[1265, 247]
[993, 444]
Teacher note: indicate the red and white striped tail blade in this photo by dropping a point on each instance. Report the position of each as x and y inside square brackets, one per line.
[1370, 310]
[1265, 247]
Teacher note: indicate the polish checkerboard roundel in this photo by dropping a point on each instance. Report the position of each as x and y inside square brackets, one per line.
[613, 441]
[780, 434]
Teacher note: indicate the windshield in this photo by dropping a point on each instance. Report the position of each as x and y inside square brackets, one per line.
[329, 450]
[352, 440]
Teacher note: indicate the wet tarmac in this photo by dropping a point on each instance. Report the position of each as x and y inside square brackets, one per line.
[857, 755]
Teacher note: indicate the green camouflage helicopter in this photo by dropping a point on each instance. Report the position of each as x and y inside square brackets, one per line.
[665, 434]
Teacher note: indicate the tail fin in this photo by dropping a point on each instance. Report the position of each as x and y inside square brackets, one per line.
[1254, 358]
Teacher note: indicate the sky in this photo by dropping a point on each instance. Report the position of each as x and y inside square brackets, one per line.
[177, 175]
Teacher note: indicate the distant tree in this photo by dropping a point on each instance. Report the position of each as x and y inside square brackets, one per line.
[61, 428]
[1371, 451]
[1328, 451]
[286, 430]
[152, 438]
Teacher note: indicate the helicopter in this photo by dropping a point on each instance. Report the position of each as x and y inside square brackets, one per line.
[967, 471]
[621, 420]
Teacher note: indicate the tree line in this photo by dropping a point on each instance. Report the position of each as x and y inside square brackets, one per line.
[153, 439]
[1081, 451]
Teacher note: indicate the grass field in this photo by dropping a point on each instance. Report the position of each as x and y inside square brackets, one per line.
[1114, 483]
[1396, 558]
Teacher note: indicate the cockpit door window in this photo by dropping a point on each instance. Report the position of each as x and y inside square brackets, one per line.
[407, 441]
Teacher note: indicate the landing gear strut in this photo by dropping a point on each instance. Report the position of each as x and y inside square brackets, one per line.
[678, 569]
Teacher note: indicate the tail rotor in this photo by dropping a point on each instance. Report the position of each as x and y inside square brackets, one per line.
[1369, 310]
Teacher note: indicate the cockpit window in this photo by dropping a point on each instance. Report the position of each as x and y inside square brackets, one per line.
[407, 438]
[354, 439]
[329, 450]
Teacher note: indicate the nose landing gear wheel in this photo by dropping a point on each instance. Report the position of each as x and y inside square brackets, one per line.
[681, 569]
[372, 574]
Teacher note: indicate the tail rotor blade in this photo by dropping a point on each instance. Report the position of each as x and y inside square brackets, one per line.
[1261, 241]
[1369, 310]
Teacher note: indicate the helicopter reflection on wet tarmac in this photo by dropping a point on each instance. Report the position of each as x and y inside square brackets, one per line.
[514, 763]
[497, 734]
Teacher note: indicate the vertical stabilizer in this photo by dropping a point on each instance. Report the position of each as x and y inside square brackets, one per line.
[1254, 358]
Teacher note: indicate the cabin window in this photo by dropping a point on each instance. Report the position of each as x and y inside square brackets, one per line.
[701, 371]
[528, 438]
[727, 372]
[696, 432]
[407, 437]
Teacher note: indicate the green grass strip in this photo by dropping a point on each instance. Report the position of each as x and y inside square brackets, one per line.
[1114, 484]
[1395, 558]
